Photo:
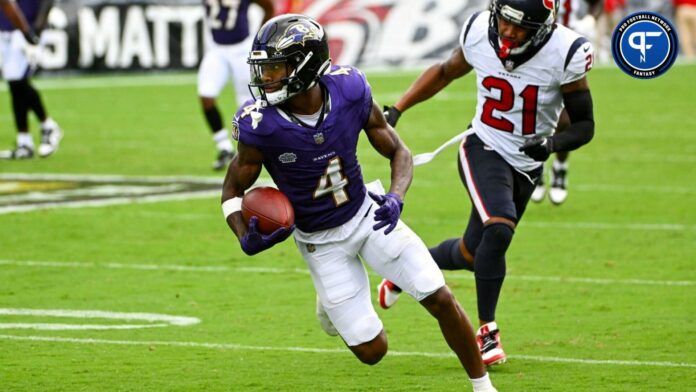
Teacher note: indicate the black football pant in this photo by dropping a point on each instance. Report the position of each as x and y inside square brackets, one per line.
[496, 189]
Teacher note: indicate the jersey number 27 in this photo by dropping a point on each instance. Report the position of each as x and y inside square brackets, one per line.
[214, 15]
[506, 102]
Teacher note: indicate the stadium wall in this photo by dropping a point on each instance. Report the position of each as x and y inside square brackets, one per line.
[118, 35]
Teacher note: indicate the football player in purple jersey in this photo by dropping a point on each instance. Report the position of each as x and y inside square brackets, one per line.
[303, 127]
[20, 51]
[225, 59]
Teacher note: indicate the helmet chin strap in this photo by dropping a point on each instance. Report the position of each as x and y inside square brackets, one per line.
[278, 96]
[510, 47]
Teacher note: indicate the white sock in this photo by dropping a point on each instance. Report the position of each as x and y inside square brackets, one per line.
[558, 165]
[49, 124]
[222, 140]
[24, 139]
[482, 384]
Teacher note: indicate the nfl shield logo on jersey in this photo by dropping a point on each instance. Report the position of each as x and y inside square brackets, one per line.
[319, 138]
[644, 45]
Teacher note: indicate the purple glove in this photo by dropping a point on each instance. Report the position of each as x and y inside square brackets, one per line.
[389, 212]
[254, 242]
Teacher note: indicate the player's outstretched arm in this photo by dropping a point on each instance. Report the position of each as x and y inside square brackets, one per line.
[42, 15]
[16, 17]
[430, 82]
[268, 9]
[387, 142]
[578, 103]
[241, 174]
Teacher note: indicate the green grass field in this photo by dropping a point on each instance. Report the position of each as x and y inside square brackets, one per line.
[599, 295]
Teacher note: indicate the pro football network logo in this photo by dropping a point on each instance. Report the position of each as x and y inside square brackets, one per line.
[644, 45]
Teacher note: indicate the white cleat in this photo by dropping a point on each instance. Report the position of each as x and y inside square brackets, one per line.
[558, 195]
[559, 183]
[324, 320]
[539, 193]
[388, 294]
[50, 140]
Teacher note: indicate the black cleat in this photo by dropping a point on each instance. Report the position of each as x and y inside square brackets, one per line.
[20, 152]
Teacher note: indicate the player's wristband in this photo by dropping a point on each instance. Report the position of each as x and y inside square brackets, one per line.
[231, 206]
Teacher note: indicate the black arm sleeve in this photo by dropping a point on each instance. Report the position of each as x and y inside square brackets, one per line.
[578, 104]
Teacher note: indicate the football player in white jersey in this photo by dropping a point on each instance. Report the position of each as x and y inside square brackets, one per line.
[527, 69]
[228, 23]
[580, 16]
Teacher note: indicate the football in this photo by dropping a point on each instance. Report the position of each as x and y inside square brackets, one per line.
[271, 206]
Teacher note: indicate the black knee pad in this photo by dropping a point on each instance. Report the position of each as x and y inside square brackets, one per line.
[490, 255]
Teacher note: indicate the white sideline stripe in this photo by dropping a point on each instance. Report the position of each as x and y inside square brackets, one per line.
[72, 327]
[272, 270]
[612, 226]
[632, 189]
[342, 351]
[102, 314]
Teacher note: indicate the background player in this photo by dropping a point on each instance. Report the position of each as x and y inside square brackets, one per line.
[20, 55]
[304, 129]
[580, 16]
[526, 68]
[228, 22]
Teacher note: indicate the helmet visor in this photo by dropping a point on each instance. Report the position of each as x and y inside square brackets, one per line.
[268, 76]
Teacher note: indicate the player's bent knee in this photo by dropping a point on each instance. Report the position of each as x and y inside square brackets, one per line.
[439, 302]
[370, 353]
[499, 220]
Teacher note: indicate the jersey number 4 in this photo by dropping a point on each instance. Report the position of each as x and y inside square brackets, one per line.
[215, 18]
[506, 102]
[333, 183]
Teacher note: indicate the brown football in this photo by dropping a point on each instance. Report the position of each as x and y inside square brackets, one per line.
[271, 206]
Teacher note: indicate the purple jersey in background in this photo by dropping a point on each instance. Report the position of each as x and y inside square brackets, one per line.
[30, 8]
[317, 170]
[227, 20]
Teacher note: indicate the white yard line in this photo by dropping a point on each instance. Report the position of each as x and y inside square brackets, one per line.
[342, 351]
[610, 226]
[273, 270]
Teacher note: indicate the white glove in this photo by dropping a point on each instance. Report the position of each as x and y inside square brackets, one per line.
[32, 53]
[32, 49]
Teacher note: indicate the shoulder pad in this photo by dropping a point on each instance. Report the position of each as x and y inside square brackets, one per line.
[350, 81]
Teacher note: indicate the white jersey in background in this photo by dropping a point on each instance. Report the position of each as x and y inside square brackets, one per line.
[517, 103]
[575, 15]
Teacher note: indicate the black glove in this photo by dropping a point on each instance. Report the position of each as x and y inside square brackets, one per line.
[31, 37]
[392, 115]
[538, 148]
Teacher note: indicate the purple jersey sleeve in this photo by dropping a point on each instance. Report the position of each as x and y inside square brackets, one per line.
[30, 9]
[228, 21]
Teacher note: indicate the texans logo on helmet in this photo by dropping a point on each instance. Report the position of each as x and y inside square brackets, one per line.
[299, 33]
[550, 4]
